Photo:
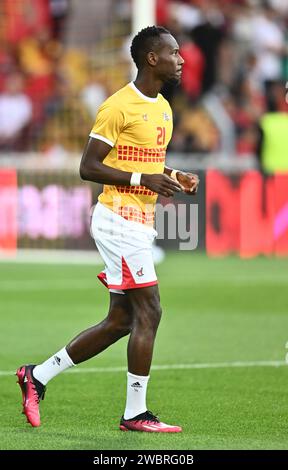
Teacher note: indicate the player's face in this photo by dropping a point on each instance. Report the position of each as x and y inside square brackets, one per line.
[170, 62]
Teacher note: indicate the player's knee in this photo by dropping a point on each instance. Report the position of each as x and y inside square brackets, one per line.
[149, 316]
[117, 329]
[119, 325]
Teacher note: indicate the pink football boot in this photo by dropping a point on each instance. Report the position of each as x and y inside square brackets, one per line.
[147, 422]
[32, 392]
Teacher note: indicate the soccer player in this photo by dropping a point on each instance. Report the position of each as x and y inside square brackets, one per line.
[126, 152]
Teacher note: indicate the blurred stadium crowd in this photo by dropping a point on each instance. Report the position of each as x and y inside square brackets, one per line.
[59, 60]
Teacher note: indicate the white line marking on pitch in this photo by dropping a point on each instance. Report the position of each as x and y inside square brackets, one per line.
[215, 365]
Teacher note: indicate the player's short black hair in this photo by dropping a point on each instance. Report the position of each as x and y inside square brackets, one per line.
[145, 41]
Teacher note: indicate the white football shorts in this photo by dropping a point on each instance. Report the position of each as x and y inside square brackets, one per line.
[126, 249]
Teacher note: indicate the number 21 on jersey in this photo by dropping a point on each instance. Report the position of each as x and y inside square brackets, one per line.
[161, 132]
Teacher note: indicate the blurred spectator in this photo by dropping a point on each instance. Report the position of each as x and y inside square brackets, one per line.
[55, 147]
[59, 10]
[15, 114]
[38, 57]
[162, 13]
[73, 68]
[25, 18]
[247, 141]
[68, 127]
[208, 35]
[268, 42]
[195, 132]
[280, 6]
[8, 62]
[90, 21]
[192, 74]
[94, 92]
[273, 132]
[187, 15]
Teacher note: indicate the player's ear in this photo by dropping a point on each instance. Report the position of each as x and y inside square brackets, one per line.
[152, 58]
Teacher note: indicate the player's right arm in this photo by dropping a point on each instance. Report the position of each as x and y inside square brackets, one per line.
[93, 169]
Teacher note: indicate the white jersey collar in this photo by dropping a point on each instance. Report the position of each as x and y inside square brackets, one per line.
[139, 93]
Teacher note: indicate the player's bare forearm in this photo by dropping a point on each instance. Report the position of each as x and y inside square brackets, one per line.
[93, 169]
[98, 172]
[101, 173]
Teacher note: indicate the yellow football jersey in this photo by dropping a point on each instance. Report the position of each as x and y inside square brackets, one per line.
[138, 128]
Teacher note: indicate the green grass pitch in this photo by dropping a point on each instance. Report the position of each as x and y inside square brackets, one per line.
[215, 311]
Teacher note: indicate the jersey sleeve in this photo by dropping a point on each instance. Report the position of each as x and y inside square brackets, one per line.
[110, 122]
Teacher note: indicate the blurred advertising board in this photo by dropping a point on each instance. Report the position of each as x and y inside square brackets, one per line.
[240, 213]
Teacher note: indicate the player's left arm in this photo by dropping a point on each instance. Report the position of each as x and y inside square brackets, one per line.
[188, 181]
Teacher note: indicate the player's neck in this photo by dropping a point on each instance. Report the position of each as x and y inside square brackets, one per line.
[148, 85]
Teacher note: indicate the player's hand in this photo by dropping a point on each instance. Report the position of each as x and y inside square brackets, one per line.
[189, 182]
[161, 184]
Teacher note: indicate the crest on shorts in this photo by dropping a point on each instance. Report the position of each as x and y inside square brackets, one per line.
[140, 272]
[166, 116]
